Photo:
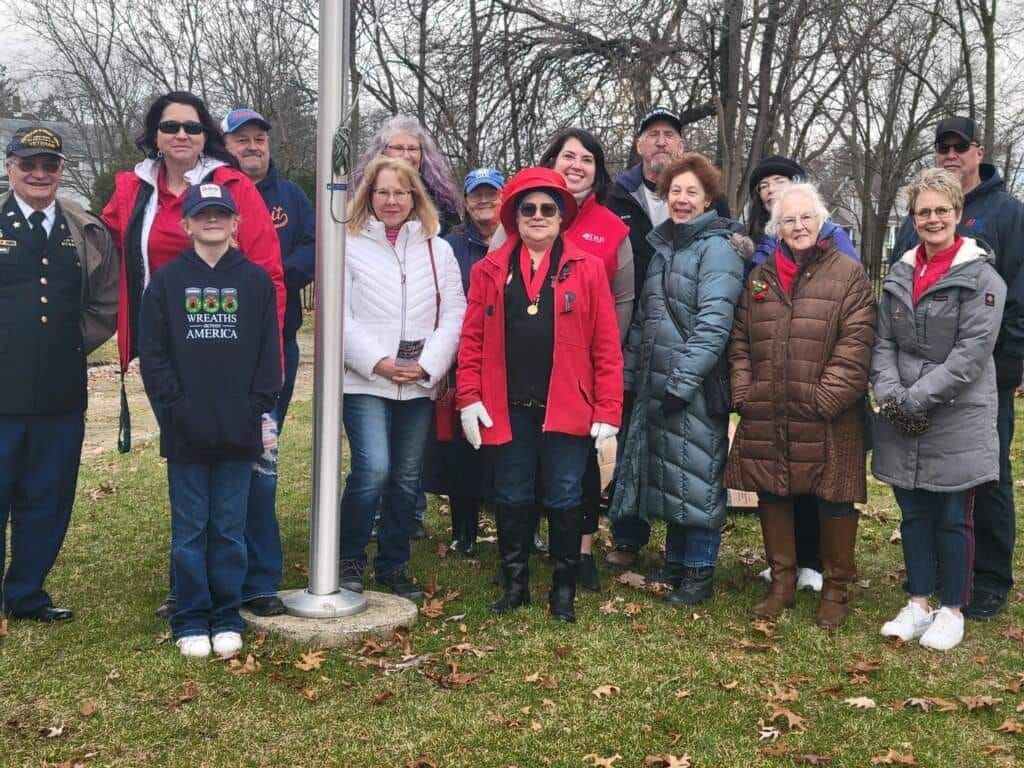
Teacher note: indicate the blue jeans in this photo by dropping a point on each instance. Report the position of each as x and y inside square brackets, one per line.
[262, 536]
[562, 458]
[39, 457]
[691, 546]
[208, 544]
[386, 439]
[938, 537]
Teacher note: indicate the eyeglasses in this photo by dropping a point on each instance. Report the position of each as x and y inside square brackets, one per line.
[529, 210]
[401, 195]
[403, 149]
[923, 214]
[171, 127]
[33, 164]
[806, 221]
[959, 147]
[488, 195]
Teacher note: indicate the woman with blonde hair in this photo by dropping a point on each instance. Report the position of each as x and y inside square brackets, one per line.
[404, 305]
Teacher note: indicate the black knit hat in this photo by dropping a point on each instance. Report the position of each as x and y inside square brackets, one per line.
[776, 165]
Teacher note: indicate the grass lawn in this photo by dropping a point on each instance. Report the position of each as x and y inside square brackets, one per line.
[632, 680]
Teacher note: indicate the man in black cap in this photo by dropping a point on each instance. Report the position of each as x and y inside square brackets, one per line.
[634, 200]
[994, 217]
[58, 302]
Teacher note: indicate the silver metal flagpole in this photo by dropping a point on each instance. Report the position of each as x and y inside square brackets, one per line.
[323, 598]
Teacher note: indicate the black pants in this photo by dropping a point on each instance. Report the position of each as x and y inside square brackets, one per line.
[994, 515]
[591, 495]
[805, 523]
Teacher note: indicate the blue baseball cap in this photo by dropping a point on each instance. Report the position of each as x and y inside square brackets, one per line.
[236, 118]
[203, 196]
[480, 176]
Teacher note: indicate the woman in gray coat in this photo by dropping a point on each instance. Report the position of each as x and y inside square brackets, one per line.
[675, 450]
[934, 378]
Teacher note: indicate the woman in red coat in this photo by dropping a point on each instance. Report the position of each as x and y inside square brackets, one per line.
[184, 147]
[539, 375]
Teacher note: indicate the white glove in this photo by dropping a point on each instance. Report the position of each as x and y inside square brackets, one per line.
[472, 416]
[601, 432]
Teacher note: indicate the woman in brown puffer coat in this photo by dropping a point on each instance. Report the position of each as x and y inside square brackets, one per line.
[799, 355]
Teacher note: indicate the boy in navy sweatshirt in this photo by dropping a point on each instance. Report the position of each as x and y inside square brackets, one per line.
[210, 355]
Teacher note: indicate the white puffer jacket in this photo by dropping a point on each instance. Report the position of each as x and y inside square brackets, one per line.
[390, 295]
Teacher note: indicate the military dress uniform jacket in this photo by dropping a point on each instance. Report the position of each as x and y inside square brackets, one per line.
[58, 302]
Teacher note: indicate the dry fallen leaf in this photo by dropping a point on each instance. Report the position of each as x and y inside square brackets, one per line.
[310, 661]
[3, 627]
[248, 667]
[309, 694]
[864, 667]
[542, 681]
[602, 762]
[667, 761]
[943, 705]
[979, 702]
[372, 647]
[1010, 725]
[563, 651]
[188, 691]
[812, 759]
[605, 691]
[632, 609]
[382, 697]
[610, 607]
[781, 694]
[433, 608]
[896, 536]
[88, 709]
[996, 749]
[765, 627]
[861, 702]
[794, 722]
[728, 686]
[924, 704]
[681, 694]
[892, 757]
[631, 579]
[767, 732]
[454, 679]
[1014, 633]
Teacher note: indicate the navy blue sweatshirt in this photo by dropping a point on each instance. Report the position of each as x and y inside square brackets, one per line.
[210, 357]
[293, 217]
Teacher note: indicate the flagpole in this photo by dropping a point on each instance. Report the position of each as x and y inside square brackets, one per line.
[323, 598]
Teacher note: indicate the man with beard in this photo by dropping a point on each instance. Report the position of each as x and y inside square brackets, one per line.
[247, 136]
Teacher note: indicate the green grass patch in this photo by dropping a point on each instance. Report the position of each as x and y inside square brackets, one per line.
[690, 682]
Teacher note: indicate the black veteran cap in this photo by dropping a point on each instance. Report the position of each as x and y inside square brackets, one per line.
[963, 127]
[35, 140]
[660, 114]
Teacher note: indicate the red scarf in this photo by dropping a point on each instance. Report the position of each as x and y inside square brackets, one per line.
[928, 271]
[786, 269]
[533, 281]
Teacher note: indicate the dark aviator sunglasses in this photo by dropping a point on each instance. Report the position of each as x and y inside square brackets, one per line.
[529, 210]
[192, 128]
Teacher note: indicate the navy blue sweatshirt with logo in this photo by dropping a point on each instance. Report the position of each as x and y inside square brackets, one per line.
[210, 356]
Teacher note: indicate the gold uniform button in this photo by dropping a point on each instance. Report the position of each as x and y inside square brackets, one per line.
[42, 319]
[43, 299]
[42, 281]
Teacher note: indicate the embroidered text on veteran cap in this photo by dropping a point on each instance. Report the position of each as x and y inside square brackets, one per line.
[35, 140]
[203, 196]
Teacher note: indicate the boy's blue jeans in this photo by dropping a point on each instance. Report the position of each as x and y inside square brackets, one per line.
[208, 509]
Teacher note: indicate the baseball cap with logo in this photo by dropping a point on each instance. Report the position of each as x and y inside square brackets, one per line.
[963, 127]
[203, 196]
[480, 176]
[236, 118]
[35, 140]
[660, 114]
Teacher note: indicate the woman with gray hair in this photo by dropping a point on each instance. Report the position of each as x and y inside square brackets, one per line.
[403, 136]
[934, 377]
[799, 354]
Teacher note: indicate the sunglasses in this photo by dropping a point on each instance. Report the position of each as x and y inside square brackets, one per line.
[547, 210]
[192, 128]
[959, 147]
[33, 164]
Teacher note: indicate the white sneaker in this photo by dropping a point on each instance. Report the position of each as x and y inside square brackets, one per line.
[808, 578]
[766, 574]
[194, 646]
[910, 623]
[227, 644]
[946, 631]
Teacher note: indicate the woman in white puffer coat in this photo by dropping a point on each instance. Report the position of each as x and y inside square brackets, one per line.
[403, 313]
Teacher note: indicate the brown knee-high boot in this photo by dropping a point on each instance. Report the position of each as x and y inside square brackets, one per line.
[780, 549]
[838, 540]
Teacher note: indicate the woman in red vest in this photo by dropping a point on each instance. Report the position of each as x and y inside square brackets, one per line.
[539, 374]
[579, 157]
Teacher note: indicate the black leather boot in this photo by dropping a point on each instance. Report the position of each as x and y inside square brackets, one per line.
[514, 534]
[564, 545]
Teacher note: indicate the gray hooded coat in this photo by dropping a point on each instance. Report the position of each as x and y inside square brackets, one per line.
[672, 464]
[935, 359]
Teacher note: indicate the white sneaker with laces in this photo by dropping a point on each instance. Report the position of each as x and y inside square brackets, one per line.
[766, 574]
[194, 646]
[946, 631]
[808, 578]
[227, 644]
[910, 623]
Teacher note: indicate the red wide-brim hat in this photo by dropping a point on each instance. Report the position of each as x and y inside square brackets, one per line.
[535, 178]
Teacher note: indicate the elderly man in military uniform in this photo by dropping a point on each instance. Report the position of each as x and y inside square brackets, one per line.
[58, 302]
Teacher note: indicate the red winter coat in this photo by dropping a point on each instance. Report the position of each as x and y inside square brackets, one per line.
[586, 371]
[598, 231]
[257, 238]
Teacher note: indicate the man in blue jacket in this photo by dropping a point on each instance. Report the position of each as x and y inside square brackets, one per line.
[994, 217]
[247, 135]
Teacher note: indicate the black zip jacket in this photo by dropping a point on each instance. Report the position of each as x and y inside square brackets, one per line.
[210, 355]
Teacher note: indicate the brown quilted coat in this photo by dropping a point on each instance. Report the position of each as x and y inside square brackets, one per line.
[799, 372]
